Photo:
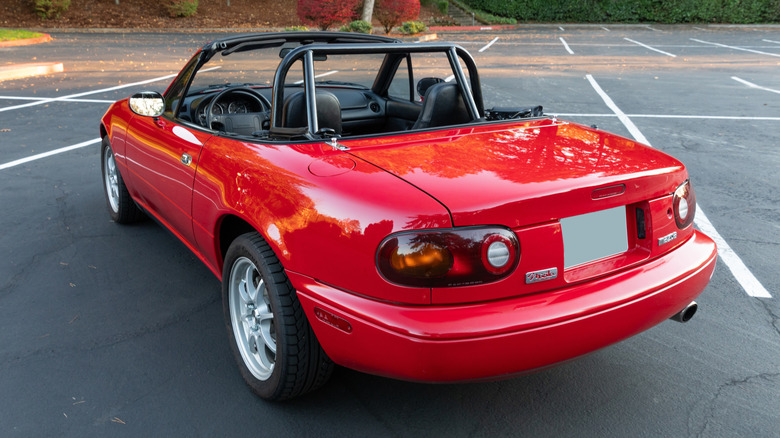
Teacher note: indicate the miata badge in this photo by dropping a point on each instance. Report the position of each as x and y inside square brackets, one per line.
[543, 275]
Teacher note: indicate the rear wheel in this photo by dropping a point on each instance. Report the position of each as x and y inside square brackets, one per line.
[276, 350]
[121, 206]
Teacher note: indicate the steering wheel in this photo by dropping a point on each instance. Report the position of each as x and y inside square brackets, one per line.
[238, 121]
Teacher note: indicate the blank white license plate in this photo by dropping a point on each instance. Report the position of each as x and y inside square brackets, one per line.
[594, 236]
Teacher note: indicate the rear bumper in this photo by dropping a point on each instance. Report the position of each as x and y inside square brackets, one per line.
[506, 337]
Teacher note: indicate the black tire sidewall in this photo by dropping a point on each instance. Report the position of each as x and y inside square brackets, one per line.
[246, 246]
[106, 147]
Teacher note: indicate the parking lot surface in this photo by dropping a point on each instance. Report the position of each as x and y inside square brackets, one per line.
[118, 330]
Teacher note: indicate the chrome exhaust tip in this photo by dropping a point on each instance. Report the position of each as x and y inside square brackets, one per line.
[686, 314]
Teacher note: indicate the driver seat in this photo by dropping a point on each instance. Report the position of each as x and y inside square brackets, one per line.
[442, 106]
[294, 114]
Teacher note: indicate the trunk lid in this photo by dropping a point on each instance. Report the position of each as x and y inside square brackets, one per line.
[525, 173]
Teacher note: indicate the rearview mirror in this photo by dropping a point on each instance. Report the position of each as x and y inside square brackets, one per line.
[286, 50]
[147, 103]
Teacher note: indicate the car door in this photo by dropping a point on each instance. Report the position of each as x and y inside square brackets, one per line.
[163, 156]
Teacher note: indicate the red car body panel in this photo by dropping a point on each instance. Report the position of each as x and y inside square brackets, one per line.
[503, 338]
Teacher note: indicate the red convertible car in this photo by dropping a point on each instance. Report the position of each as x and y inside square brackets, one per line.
[363, 208]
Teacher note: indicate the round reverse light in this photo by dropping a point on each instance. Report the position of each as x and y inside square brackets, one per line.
[682, 209]
[498, 254]
[684, 205]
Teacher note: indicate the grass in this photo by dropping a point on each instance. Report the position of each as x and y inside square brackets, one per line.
[16, 34]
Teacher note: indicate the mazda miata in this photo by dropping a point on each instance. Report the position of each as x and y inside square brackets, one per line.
[363, 208]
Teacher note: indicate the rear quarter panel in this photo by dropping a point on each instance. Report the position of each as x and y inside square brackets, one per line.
[326, 226]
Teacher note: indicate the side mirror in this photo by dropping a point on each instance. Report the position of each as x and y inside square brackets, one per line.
[147, 103]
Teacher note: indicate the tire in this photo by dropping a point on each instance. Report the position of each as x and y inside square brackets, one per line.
[121, 206]
[277, 353]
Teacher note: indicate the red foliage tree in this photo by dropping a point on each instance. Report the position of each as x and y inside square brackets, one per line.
[391, 13]
[326, 13]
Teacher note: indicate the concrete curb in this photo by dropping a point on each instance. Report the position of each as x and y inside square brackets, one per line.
[45, 38]
[18, 71]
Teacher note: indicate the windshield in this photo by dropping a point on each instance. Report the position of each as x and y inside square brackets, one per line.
[257, 68]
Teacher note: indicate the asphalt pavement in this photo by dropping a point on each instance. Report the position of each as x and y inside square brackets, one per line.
[118, 330]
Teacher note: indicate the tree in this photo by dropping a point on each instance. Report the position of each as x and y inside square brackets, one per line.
[392, 12]
[368, 11]
[326, 13]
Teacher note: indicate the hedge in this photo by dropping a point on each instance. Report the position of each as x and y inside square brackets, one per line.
[632, 11]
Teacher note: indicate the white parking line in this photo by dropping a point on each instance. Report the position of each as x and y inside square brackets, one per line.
[741, 273]
[654, 30]
[55, 98]
[566, 46]
[327, 73]
[605, 28]
[103, 90]
[737, 48]
[488, 45]
[562, 29]
[752, 85]
[770, 41]
[674, 116]
[41, 102]
[48, 154]
[651, 48]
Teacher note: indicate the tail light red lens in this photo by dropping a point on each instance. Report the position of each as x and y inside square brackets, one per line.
[447, 258]
[684, 204]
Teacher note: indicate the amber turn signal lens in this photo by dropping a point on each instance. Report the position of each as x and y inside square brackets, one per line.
[423, 260]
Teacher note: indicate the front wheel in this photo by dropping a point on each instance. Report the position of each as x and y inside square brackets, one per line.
[121, 206]
[277, 353]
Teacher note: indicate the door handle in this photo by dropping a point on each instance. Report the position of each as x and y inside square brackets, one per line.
[186, 159]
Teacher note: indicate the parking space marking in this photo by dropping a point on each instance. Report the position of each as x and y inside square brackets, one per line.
[48, 154]
[566, 46]
[57, 99]
[562, 29]
[674, 116]
[741, 273]
[327, 73]
[737, 48]
[651, 48]
[87, 93]
[752, 85]
[488, 45]
[605, 28]
[770, 41]
[103, 90]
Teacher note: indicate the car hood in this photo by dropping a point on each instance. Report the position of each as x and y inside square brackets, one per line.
[525, 173]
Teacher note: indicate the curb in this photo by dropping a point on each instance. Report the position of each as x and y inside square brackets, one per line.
[18, 71]
[468, 28]
[45, 38]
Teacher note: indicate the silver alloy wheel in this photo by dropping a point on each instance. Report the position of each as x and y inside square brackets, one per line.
[111, 179]
[252, 318]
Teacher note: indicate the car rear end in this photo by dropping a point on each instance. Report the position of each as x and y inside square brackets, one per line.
[565, 239]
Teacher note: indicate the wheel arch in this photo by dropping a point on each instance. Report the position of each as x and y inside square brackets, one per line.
[230, 227]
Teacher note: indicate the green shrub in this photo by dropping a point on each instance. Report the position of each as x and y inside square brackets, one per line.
[443, 6]
[413, 27]
[357, 26]
[632, 11]
[181, 8]
[296, 29]
[426, 2]
[50, 9]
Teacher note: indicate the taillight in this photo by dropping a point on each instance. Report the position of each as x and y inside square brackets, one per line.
[684, 204]
[446, 258]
